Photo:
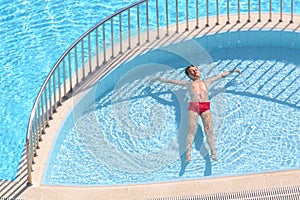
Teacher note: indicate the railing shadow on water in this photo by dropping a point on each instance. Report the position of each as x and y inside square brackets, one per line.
[267, 77]
[13, 189]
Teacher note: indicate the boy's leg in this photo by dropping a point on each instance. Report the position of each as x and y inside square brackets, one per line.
[208, 128]
[193, 119]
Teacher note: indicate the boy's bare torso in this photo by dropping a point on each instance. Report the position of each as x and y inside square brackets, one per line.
[199, 91]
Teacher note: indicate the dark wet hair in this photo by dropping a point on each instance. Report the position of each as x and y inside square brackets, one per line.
[187, 70]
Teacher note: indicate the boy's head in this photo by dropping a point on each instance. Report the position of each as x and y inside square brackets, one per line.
[187, 70]
[192, 72]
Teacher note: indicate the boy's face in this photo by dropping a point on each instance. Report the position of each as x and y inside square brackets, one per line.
[194, 73]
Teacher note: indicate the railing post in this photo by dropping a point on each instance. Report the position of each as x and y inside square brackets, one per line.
[217, 12]
[89, 51]
[259, 11]
[129, 34]
[292, 11]
[29, 162]
[239, 12]
[157, 20]
[139, 28]
[50, 100]
[59, 86]
[112, 37]
[167, 18]
[46, 107]
[197, 14]
[187, 15]
[32, 143]
[104, 43]
[280, 11]
[270, 10]
[54, 93]
[36, 134]
[82, 59]
[147, 20]
[177, 25]
[43, 115]
[64, 77]
[120, 32]
[40, 124]
[228, 13]
[76, 67]
[249, 10]
[70, 73]
[207, 14]
[97, 48]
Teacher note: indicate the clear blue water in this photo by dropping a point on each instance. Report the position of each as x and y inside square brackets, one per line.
[135, 132]
[33, 36]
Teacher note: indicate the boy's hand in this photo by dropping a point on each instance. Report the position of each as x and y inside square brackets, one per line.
[155, 79]
[236, 70]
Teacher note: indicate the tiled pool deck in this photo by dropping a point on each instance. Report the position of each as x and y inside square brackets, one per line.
[18, 189]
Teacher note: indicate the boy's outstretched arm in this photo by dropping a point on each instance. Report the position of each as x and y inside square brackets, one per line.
[176, 82]
[212, 79]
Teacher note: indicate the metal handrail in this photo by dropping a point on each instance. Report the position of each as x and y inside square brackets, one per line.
[54, 90]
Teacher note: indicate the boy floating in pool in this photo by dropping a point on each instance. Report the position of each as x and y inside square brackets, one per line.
[199, 106]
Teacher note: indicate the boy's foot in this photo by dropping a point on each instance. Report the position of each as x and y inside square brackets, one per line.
[214, 157]
[188, 158]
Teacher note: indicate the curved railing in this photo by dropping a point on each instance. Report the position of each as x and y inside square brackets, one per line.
[72, 68]
[110, 38]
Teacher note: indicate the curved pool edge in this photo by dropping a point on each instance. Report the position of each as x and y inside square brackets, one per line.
[181, 188]
[190, 188]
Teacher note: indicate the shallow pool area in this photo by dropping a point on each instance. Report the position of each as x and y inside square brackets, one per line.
[128, 130]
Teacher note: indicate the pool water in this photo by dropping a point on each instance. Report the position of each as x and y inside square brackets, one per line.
[134, 131]
[33, 36]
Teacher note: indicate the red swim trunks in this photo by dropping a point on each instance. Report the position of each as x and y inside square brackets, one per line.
[199, 107]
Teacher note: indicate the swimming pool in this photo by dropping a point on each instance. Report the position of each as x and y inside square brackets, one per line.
[33, 36]
[128, 130]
